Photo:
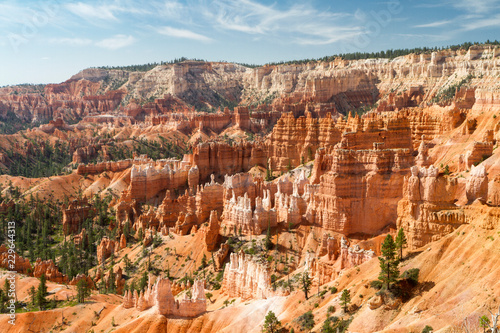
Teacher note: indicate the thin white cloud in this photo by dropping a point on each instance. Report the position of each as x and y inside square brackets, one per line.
[299, 23]
[91, 12]
[11, 13]
[427, 36]
[183, 33]
[116, 42]
[71, 41]
[433, 24]
[433, 5]
[106, 12]
[490, 22]
[171, 9]
[477, 6]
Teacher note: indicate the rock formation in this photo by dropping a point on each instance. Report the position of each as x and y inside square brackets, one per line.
[91, 169]
[361, 191]
[220, 158]
[253, 211]
[16, 263]
[221, 255]
[212, 232]
[161, 298]
[427, 211]
[334, 255]
[123, 242]
[477, 184]
[353, 256]
[50, 270]
[76, 279]
[246, 278]
[74, 215]
[105, 249]
[147, 181]
[479, 152]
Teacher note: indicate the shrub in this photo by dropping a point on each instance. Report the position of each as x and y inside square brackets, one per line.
[411, 275]
[376, 284]
[427, 329]
[335, 325]
[306, 320]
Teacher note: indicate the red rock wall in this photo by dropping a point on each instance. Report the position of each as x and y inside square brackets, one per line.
[427, 211]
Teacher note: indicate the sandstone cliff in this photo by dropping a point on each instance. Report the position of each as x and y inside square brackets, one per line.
[427, 211]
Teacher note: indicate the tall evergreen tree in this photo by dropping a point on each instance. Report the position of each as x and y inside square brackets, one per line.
[306, 283]
[83, 290]
[143, 283]
[345, 299]
[271, 323]
[401, 242]
[41, 292]
[267, 242]
[389, 271]
[111, 281]
[32, 293]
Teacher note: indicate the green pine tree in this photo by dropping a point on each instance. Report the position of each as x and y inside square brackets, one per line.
[401, 242]
[41, 292]
[389, 271]
[345, 299]
[267, 242]
[83, 290]
[306, 283]
[111, 281]
[32, 293]
[204, 261]
[271, 323]
[143, 283]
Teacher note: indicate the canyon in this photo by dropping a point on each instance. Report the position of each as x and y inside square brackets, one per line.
[200, 195]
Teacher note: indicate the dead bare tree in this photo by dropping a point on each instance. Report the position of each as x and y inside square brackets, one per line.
[494, 321]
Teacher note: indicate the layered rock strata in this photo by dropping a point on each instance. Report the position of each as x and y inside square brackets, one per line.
[427, 211]
[74, 215]
[361, 191]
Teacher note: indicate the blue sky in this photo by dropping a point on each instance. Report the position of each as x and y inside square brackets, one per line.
[48, 41]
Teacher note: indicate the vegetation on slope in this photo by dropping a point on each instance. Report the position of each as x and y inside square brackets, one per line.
[148, 66]
[11, 124]
[387, 54]
[37, 159]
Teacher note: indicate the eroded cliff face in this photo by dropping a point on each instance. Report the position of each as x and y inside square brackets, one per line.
[427, 212]
[74, 215]
[246, 278]
[315, 87]
[68, 100]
